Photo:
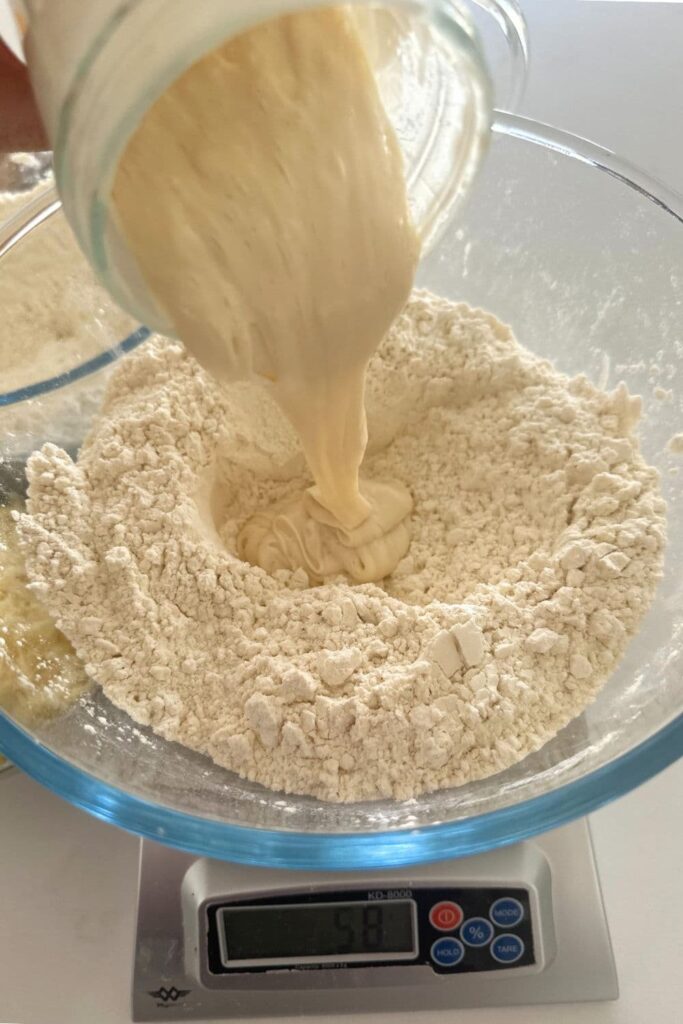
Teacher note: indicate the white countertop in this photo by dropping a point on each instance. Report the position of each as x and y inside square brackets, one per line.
[68, 882]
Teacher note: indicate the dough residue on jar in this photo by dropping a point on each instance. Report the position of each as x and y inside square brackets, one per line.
[263, 197]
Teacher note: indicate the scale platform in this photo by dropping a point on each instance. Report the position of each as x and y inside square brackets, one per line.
[519, 925]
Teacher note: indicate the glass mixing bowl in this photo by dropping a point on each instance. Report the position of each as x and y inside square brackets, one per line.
[583, 255]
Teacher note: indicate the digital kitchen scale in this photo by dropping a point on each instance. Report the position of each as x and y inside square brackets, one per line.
[519, 925]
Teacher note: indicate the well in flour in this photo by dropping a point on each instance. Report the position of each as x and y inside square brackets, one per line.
[537, 539]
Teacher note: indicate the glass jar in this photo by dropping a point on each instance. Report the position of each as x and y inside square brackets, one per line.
[98, 65]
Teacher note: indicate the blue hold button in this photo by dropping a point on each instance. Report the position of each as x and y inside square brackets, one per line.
[447, 952]
[506, 912]
[477, 932]
[507, 949]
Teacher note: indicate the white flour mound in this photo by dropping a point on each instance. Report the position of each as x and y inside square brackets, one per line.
[537, 542]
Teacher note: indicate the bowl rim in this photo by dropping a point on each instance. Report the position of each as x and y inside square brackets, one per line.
[361, 850]
[345, 851]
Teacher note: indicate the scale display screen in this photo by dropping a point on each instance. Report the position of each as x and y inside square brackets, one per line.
[317, 932]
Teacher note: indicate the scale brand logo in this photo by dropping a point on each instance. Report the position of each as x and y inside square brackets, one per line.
[169, 995]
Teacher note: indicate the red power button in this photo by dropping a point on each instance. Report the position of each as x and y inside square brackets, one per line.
[445, 916]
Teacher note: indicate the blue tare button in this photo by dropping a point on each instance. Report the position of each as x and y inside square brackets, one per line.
[447, 952]
[476, 932]
[506, 912]
[507, 949]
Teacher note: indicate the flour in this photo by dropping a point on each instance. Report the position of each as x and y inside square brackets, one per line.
[537, 542]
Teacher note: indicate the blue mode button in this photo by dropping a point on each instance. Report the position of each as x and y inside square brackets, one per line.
[507, 949]
[447, 952]
[506, 912]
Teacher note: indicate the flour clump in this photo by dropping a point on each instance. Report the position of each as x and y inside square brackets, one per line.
[536, 545]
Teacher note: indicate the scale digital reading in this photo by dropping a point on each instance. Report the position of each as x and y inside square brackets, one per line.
[315, 932]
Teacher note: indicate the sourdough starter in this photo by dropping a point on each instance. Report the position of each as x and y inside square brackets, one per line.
[264, 199]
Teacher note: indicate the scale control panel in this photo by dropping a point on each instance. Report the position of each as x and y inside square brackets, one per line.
[447, 929]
